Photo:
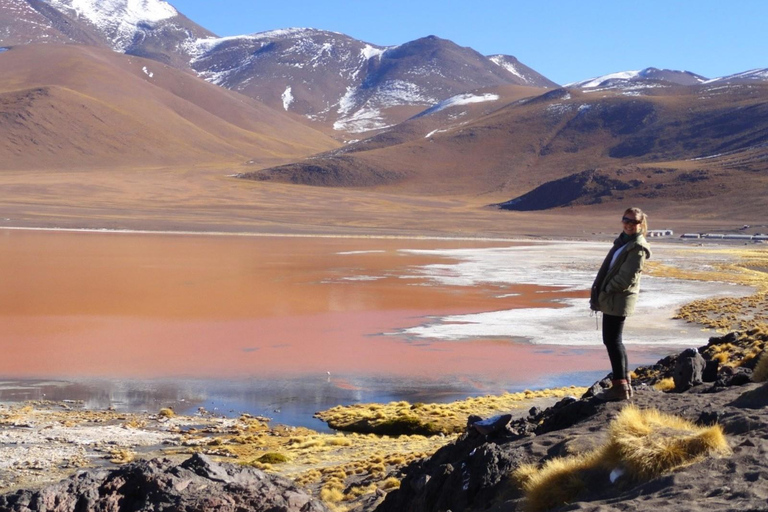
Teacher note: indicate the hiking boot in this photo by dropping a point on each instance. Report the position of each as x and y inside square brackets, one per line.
[620, 390]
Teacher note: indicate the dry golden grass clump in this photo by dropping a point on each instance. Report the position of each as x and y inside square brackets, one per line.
[121, 455]
[429, 419]
[642, 445]
[338, 468]
[166, 412]
[666, 384]
[761, 370]
[273, 458]
[725, 313]
[743, 351]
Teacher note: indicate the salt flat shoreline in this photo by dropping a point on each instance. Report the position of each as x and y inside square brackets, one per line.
[276, 235]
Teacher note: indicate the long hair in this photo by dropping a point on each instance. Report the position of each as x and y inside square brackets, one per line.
[639, 214]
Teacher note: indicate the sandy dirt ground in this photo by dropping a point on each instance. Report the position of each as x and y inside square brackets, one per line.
[209, 199]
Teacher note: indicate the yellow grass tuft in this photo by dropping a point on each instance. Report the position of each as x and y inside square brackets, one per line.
[645, 443]
[121, 455]
[390, 483]
[558, 482]
[761, 370]
[396, 418]
[166, 412]
[667, 384]
[331, 494]
[649, 443]
[273, 458]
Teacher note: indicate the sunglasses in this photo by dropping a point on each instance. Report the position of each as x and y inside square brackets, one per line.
[627, 220]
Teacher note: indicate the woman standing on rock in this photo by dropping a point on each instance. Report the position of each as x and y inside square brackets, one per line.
[614, 293]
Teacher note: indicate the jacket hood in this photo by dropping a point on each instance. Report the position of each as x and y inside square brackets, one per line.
[639, 240]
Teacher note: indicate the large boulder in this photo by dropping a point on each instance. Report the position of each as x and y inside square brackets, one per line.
[156, 485]
[689, 370]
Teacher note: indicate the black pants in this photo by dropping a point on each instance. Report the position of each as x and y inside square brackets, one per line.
[613, 326]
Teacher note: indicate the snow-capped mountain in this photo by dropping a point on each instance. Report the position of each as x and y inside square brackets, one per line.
[329, 78]
[304, 71]
[149, 28]
[350, 84]
[121, 21]
[647, 77]
[526, 75]
[747, 76]
[25, 22]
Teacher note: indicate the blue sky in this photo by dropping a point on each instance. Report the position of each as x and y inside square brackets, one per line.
[565, 41]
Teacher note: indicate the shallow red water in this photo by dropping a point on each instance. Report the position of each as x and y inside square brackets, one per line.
[153, 306]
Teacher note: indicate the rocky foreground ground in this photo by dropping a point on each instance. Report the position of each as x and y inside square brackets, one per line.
[483, 468]
[478, 471]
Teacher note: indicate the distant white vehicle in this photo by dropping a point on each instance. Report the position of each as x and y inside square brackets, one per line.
[660, 232]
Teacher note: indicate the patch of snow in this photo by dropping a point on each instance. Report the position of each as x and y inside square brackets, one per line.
[347, 253]
[284, 33]
[559, 108]
[434, 132]
[347, 102]
[197, 48]
[371, 51]
[363, 120]
[287, 97]
[499, 60]
[462, 99]
[752, 74]
[147, 72]
[399, 92]
[595, 82]
[120, 19]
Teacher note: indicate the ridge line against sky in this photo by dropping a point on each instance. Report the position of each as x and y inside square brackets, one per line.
[564, 41]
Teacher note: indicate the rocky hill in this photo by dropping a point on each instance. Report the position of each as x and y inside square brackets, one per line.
[331, 80]
[350, 85]
[668, 142]
[153, 28]
[648, 77]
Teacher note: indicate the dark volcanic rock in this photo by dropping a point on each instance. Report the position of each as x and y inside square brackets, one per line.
[459, 476]
[689, 370]
[198, 484]
[473, 473]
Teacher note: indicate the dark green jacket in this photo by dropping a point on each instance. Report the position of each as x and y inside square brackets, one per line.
[615, 289]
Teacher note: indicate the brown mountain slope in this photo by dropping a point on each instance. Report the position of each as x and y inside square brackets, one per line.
[72, 106]
[651, 140]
